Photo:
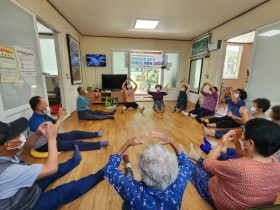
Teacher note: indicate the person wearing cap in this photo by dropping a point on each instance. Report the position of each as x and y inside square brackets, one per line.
[22, 185]
[65, 141]
[158, 97]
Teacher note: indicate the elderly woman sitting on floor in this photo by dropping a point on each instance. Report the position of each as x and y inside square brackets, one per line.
[164, 176]
[244, 183]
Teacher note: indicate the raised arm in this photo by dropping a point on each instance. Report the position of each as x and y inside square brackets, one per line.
[149, 87]
[213, 90]
[234, 100]
[202, 88]
[183, 81]
[60, 115]
[166, 140]
[123, 85]
[135, 85]
[166, 89]
[236, 139]
[132, 142]
[51, 165]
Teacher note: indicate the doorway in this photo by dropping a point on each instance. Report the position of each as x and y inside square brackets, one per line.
[237, 61]
[52, 71]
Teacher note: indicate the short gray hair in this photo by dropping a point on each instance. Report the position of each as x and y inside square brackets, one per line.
[158, 166]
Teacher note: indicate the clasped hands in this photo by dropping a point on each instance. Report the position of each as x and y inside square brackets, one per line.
[233, 135]
[139, 139]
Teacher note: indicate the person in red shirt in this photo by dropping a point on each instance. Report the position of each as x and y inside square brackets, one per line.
[246, 182]
[129, 95]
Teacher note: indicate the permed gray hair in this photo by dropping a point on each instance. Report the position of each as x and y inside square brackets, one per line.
[158, 166]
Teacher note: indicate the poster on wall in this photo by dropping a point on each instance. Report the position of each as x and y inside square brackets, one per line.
[74, 60]
[25, 61]
[200, 46]
[146, 59]
[8, 65]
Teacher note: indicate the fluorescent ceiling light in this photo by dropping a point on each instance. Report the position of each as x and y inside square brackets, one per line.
[146, 24]
[270, 33]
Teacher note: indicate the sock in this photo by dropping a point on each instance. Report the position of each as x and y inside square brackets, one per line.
[207, 143]
[204, 148]
[114, 112]
[100, 132]
[104, 143]
[77, 156]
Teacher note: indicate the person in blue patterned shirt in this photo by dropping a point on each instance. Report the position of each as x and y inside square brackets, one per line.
[164, 176]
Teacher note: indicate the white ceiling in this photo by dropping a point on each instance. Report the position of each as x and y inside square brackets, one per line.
[245, 38]
[179, 19]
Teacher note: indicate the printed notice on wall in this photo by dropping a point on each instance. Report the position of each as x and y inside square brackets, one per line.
[26, 62]
[146, 59]
[8, 65]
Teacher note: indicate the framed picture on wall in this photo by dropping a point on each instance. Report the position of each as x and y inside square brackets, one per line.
[200, 46]
[74, 60]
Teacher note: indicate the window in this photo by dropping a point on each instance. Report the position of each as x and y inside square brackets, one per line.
[144, 76]
[171, 72]
[232, 62]
[120, 62]
[195, 74]
[48, 55]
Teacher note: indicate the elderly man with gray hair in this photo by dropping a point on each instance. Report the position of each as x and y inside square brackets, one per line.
[164, 176]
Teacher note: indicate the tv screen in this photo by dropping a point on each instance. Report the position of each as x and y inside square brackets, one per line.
[113, 81]
[96, 60]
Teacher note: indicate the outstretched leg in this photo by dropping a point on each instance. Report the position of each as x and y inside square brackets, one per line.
[84, 146]
[63, 169]
[66, 193]
[76, 134]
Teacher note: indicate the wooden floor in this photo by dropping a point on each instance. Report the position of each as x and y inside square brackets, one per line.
[182, 129]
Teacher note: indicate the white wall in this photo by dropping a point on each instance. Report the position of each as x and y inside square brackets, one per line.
[262, 15]
[49, 15]
[258, 17]
[103, 45]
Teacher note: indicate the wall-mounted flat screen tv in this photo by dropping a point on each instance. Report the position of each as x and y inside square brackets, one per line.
[96, 60]
[113, 81]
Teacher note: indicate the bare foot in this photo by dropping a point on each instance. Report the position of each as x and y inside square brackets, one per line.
[193, 155]
[207, 132]
[142, 109]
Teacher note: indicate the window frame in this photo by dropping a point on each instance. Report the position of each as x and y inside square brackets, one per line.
[190, 71]
[164, 52]
[239, 57]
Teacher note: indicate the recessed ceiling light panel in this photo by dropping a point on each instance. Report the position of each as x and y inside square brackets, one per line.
[146, 24]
